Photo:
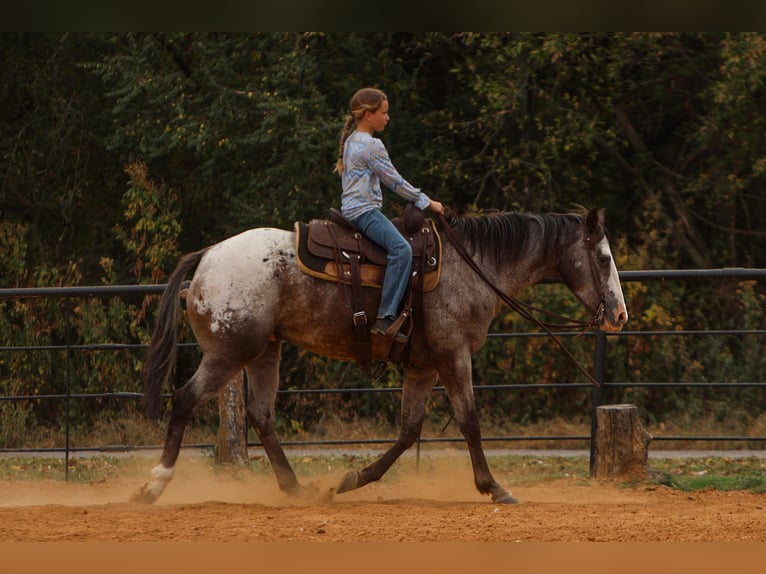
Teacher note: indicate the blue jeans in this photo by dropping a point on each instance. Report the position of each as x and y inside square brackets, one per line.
[377, 227]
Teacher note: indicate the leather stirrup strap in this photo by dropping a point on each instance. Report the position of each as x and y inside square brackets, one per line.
[338, 262]
[362, 347]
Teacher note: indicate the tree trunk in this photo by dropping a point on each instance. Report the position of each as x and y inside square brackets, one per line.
[231, 445]
[622, 443]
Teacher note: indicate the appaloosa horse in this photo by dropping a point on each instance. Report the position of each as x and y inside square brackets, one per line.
[248, 295]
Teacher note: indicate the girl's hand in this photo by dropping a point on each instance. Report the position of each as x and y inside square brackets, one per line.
[436, 207]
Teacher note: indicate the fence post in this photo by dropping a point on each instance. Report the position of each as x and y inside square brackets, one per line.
[231, 442]
[68, 380]
[598, 393]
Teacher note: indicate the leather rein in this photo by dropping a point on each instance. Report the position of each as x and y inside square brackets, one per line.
[528, 311]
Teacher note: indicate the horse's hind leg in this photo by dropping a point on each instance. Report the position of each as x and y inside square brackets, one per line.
[417, 387]
[204, 384]
[263, 383]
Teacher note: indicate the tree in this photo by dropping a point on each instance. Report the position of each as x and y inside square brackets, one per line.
[56, 178]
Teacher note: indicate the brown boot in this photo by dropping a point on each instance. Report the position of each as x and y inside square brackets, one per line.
[381, 327]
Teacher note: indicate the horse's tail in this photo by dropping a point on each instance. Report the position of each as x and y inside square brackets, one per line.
[160, 358]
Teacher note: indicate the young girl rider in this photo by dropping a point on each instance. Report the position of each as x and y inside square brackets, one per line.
[363, 164]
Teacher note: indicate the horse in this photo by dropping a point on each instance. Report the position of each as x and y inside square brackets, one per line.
[248, 296]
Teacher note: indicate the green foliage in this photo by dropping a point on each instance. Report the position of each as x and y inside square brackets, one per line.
[57, 178]
[236, 121]
[151, 242]
[152, 211]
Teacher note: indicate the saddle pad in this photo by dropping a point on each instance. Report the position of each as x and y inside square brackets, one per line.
[325, 266]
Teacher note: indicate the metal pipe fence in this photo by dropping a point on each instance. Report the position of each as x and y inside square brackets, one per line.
[597, 398]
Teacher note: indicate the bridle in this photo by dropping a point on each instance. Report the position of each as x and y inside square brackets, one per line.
[528, 311]
[598, 314]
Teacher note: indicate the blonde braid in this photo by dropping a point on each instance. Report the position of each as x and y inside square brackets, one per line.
[343, 137]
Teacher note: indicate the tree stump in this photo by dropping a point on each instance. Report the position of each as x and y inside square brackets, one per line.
[622, 444]
[231, 443]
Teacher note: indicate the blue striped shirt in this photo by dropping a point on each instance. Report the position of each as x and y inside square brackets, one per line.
[365, 166]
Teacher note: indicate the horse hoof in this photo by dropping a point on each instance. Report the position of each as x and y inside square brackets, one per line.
[349, 482]
[506, 498]
[143, 496]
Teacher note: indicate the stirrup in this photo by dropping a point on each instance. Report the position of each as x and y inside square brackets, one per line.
[388, 332]
[376, 371]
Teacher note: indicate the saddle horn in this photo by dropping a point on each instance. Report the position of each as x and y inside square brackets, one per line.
[412, 219]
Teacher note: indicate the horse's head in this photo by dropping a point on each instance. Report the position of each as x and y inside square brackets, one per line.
[590, 272]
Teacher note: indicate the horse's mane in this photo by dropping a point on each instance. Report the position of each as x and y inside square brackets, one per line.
[504, 236]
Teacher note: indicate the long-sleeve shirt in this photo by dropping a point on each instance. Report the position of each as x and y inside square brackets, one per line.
[365, 166]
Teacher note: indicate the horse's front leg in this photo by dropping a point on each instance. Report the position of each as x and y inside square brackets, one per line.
[263, 383]
[459, 386]
[418, 384]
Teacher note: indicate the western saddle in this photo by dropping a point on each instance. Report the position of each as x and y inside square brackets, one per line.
[332, 249]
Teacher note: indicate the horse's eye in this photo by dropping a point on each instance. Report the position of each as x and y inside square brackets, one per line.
[604, 260]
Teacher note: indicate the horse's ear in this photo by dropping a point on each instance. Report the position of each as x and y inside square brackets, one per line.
[594, 222]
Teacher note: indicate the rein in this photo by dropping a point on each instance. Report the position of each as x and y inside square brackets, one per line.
[525, 310]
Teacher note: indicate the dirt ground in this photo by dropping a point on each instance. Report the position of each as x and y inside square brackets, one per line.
[440, 505]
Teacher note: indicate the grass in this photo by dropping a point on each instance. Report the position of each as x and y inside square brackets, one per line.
[717, 473]
[85, 470]
[684, 474]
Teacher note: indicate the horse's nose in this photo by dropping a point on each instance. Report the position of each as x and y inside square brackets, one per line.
[622, 318]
